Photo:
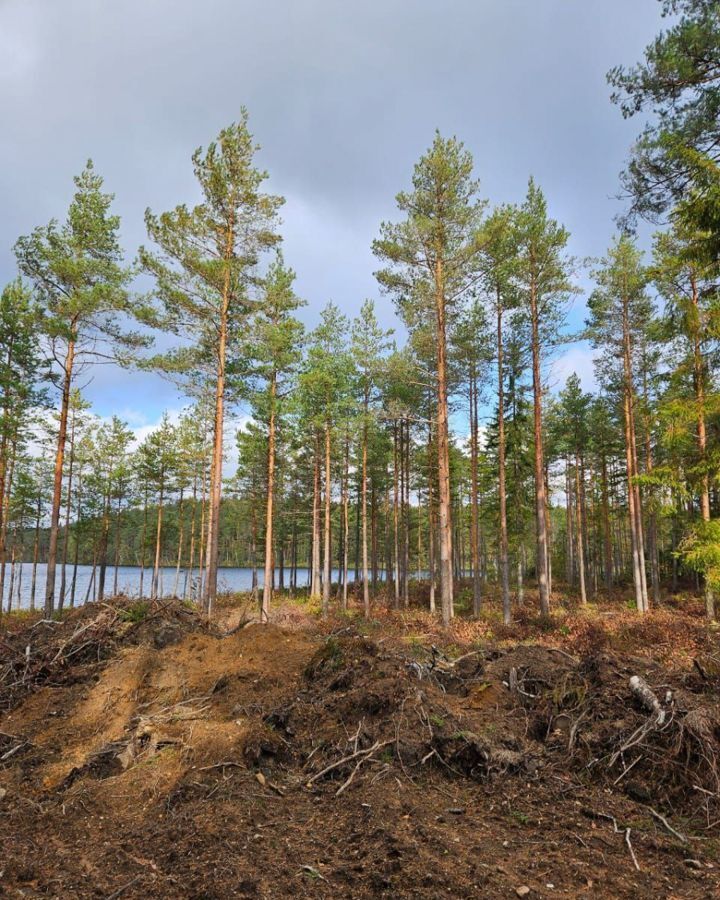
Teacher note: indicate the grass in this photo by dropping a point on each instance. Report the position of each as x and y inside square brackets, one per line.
[136, 612]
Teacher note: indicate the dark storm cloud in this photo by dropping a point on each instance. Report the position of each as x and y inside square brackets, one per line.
[342, 96]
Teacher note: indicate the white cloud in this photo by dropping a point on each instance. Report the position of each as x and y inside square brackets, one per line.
[579, 360]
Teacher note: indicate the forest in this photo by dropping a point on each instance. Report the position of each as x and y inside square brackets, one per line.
[433, 477]
[437, 456]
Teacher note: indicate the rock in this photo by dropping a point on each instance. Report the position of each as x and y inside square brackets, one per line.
[522, 891]
[261, 778]
[3, 793]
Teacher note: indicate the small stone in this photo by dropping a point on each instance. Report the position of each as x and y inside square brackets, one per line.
[261, 778]
[522, 891]
[3, 793]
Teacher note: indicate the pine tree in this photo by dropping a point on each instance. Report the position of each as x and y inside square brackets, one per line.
[619, 312]
[369, 347]
[543, 278]
[499, 254]
[685, 278]
[276, 350]
[80, 280]
[676, 157]
[326, 386]
[204, 271]
[471, 351]
[433, 258]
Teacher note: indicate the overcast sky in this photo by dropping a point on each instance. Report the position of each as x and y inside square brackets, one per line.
[343, 97]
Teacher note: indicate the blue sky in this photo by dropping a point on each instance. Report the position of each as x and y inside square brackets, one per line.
[343, 99]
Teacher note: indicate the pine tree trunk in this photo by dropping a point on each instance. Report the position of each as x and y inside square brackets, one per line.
[143, 542]
[316, 589]
[268, 582]
[191, 551]
[405, 450]
[365, 573]
[699, 385]
[158, 543]
[116, 555]
[211, 565]
[104, 538]
[76, 548]
[431, 523]
[178, 561]
[579, 530]
[474, 503]
[57, 482]
[570, 562]
[503, 536]
[346, 523]
[540, 499]
[68, 507]
[443, 442]
[327, 559]
[607, 534]
[373, 538]
[396, 538]
[5, 515]
[36, 552]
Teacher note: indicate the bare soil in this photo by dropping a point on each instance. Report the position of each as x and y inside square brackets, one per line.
[147, 753]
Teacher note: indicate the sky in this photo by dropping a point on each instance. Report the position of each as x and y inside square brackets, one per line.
[343, 99]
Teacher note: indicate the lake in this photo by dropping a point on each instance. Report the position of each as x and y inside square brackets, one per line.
[128, 582]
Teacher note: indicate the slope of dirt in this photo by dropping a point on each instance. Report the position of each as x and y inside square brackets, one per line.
[144, 753]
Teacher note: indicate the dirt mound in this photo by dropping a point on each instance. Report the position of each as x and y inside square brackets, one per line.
[146, 753]
[488, 712]
[74, 648]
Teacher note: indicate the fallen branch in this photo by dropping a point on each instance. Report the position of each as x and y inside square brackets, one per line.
[664, 821]
[648, 699]
[630, 848]
[376, 746]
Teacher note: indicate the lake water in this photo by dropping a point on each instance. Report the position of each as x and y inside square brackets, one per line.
[128, 582]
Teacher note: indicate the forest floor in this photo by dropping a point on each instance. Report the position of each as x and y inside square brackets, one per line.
[147, 753]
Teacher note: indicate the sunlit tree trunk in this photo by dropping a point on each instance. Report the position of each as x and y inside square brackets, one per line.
[540, 497]
[5, 514]
[58, 480]
[68, 509]
[579, 531]
[316, 589]
[158, 541]
[327, 558]
[211, 564]
[116, 555]
[443, 441]
[503, 555]
[364, 484]
[396, 522]
[36, 550]
[268, 582]
[699, 386]
[346, 525]
[474, 501]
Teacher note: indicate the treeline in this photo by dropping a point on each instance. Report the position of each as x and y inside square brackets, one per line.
[445, 455]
